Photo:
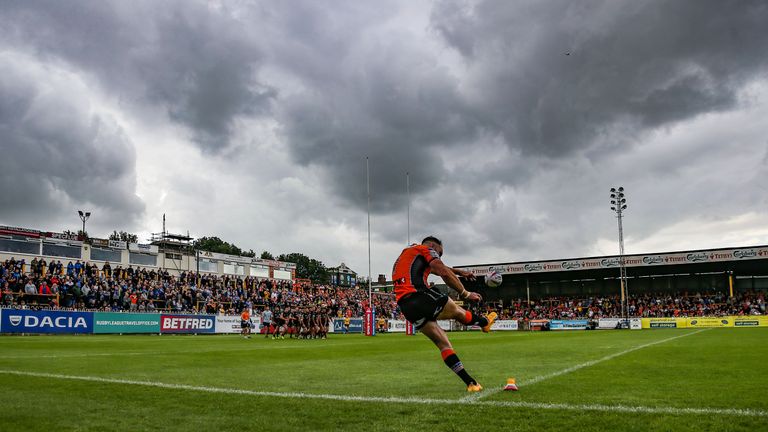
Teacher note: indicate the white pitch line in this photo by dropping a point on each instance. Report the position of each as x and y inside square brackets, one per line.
[540, 378]
[151, 353]
[410, 400]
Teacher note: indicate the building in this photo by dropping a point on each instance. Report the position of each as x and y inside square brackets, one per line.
[342, 276]
[172, 253]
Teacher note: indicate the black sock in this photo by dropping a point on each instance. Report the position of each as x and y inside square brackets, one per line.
[475, 319]
[452, 361]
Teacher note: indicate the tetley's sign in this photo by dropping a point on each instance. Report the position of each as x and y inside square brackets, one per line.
[658, 259]
[24, 321]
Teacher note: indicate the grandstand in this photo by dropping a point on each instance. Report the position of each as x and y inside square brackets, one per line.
[166, 252]
[169, 275]
[728, 271]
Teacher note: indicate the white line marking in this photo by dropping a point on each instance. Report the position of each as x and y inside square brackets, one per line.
[151, 353]
[410, 400]
[540, 378]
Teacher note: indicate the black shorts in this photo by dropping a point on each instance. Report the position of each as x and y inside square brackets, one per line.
[244, 324]
[422, 306]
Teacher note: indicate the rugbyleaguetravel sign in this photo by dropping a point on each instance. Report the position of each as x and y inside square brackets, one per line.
[25, 321]
[714, 255]
[117, 322]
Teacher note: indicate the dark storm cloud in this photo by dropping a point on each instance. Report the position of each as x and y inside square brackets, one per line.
[547, 78]
[364, 90]
[510, 116]
[197, 63]
[56, 154]
[554, 77]
[398, 117]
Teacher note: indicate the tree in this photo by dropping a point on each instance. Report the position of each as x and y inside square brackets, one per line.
[267, 255]
[306, 267]
[124, 236]
[215, 244]
[250, 253]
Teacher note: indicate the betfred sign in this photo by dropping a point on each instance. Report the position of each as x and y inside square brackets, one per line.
[25, 321]
[187, 323]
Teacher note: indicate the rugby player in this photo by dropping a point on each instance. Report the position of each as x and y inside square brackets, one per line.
[280, 322]
[245, 323]
[266, 321]
[292, 329]
[423, 305]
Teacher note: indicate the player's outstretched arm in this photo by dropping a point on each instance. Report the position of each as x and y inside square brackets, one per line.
[449, 277]
[463, 273]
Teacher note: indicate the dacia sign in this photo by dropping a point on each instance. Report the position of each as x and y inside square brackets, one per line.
[25, 321]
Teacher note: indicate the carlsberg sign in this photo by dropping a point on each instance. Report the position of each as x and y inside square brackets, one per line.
[25, 321]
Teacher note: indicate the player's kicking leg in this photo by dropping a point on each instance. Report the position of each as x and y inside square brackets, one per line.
[440, 339]
[454, 311]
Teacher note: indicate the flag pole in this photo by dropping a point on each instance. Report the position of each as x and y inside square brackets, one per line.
[368, 185]
[408, 192]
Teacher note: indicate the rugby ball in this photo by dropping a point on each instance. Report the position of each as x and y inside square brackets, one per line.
[493, 279]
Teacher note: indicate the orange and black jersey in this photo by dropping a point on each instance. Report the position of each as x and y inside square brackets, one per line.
[412, 269]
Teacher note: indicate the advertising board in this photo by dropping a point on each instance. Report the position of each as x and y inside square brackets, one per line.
[568, 324]
[613, 323]
[229, 324]
[750, 321]
[355, 325]
[652, 323]
[710, 322]
[116, 322]
[659, 259]
[26, 321]
[145, 248]
[505, 325]
[187, 323]
[396, 326]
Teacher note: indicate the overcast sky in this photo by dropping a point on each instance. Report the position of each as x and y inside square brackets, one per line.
[251, 121]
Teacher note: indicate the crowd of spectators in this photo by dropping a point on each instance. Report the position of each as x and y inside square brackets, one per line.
[85, 286]
[646, 305]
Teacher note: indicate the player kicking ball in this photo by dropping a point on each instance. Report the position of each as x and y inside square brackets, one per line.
[423, 306]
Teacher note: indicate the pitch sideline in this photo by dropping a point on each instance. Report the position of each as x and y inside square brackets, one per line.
[162, 353]
[540, 378]
[393, 399]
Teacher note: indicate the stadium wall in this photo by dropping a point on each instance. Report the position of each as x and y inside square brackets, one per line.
[18, 321]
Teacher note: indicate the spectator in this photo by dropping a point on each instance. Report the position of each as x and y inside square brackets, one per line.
[30, 288]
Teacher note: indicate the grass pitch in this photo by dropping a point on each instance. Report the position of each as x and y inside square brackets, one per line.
[662, 380]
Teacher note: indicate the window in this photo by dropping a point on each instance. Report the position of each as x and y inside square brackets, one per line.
[173, 256]
[143, 259]
[20, 246]
[259, 271]
[282, 274]
[208, 265]
[111, 255]
[61, 250]
[234, 269]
